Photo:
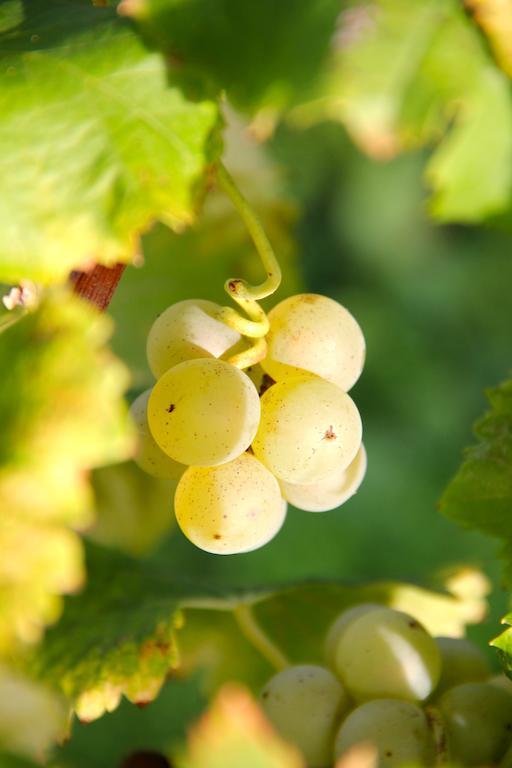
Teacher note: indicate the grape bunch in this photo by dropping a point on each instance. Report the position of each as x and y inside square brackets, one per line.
[241, 444]
[390, 685]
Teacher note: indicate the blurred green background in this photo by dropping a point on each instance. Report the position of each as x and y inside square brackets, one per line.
[433, 302]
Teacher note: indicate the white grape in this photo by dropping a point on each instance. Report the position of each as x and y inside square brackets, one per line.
[305, 704]
[386, 653]
[204, 412]
[478, 721]
[232, 508]
[186, 331]
[397, 729]
[461, 662]
[149, 455]
[309, 428]
[330, 492]
[339, 626]
[501, 681]
[313, 333]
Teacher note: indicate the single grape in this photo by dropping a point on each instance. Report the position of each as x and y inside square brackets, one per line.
[330, 492]
[204, 412]
[314, 333]
[150, 456]
[186, 331]
[501, 681]
[232, 508]
[338, 627]
[397, 729]
[305, 704]
[478, 720]
[461, 662]
[309, 428]
[386, 653]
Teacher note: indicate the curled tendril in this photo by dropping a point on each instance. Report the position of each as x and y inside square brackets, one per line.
[255, 326]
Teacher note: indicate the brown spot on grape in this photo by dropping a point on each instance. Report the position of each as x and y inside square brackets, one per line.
[413, 624]
[171, 408]
[217, 536]
[388, 753]
[330, 434]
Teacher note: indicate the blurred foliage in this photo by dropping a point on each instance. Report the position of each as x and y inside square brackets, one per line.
[234, 732]
[264, 55]
[32, 718]
[96, 146]
[62, 413]
[136, 621]
[409, 73]
[495, 18]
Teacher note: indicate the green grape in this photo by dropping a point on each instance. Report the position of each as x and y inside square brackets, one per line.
[204, 412]
[309, 428]
[338, 627]
[316, 334]
[330, 492]
[397, 729]
[461, 662]
[385, 654]
[149, 456]
[501, 681]
[186, 331]
[478, 720]
[233, 508]
[305, 704]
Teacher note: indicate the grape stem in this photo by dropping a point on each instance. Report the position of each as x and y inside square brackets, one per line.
[256, 325]
[254, 632]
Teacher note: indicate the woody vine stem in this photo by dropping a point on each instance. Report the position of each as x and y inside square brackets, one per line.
[255, 326]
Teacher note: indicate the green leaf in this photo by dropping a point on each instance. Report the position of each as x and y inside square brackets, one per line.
[234, 733]
[504, 645]
[263, 54]
[62, 413]
[120, 636]
[96, 142]
[480, 494]
[397, 84]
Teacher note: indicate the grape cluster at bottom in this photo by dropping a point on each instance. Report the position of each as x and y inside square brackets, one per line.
[240, 444]
[395, 690]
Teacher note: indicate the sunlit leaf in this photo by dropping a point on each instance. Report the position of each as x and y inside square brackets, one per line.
[96, 144]
[62, 413]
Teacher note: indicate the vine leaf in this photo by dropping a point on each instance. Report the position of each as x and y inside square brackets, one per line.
[480, 494]
[265, 55]
[62, 413]
[97, 144]
[135, 625]
[234, 732]
[397, 84]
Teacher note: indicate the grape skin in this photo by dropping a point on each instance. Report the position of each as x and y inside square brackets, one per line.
[339, 626]
[313, 333]
[478, 719]
[309, 428]
[461, 662]
[149, 456]
[397, 729]
[386, 653]
[204, 412]
[185, 331]
[305, 704]
[233, 508]
[330, 492]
